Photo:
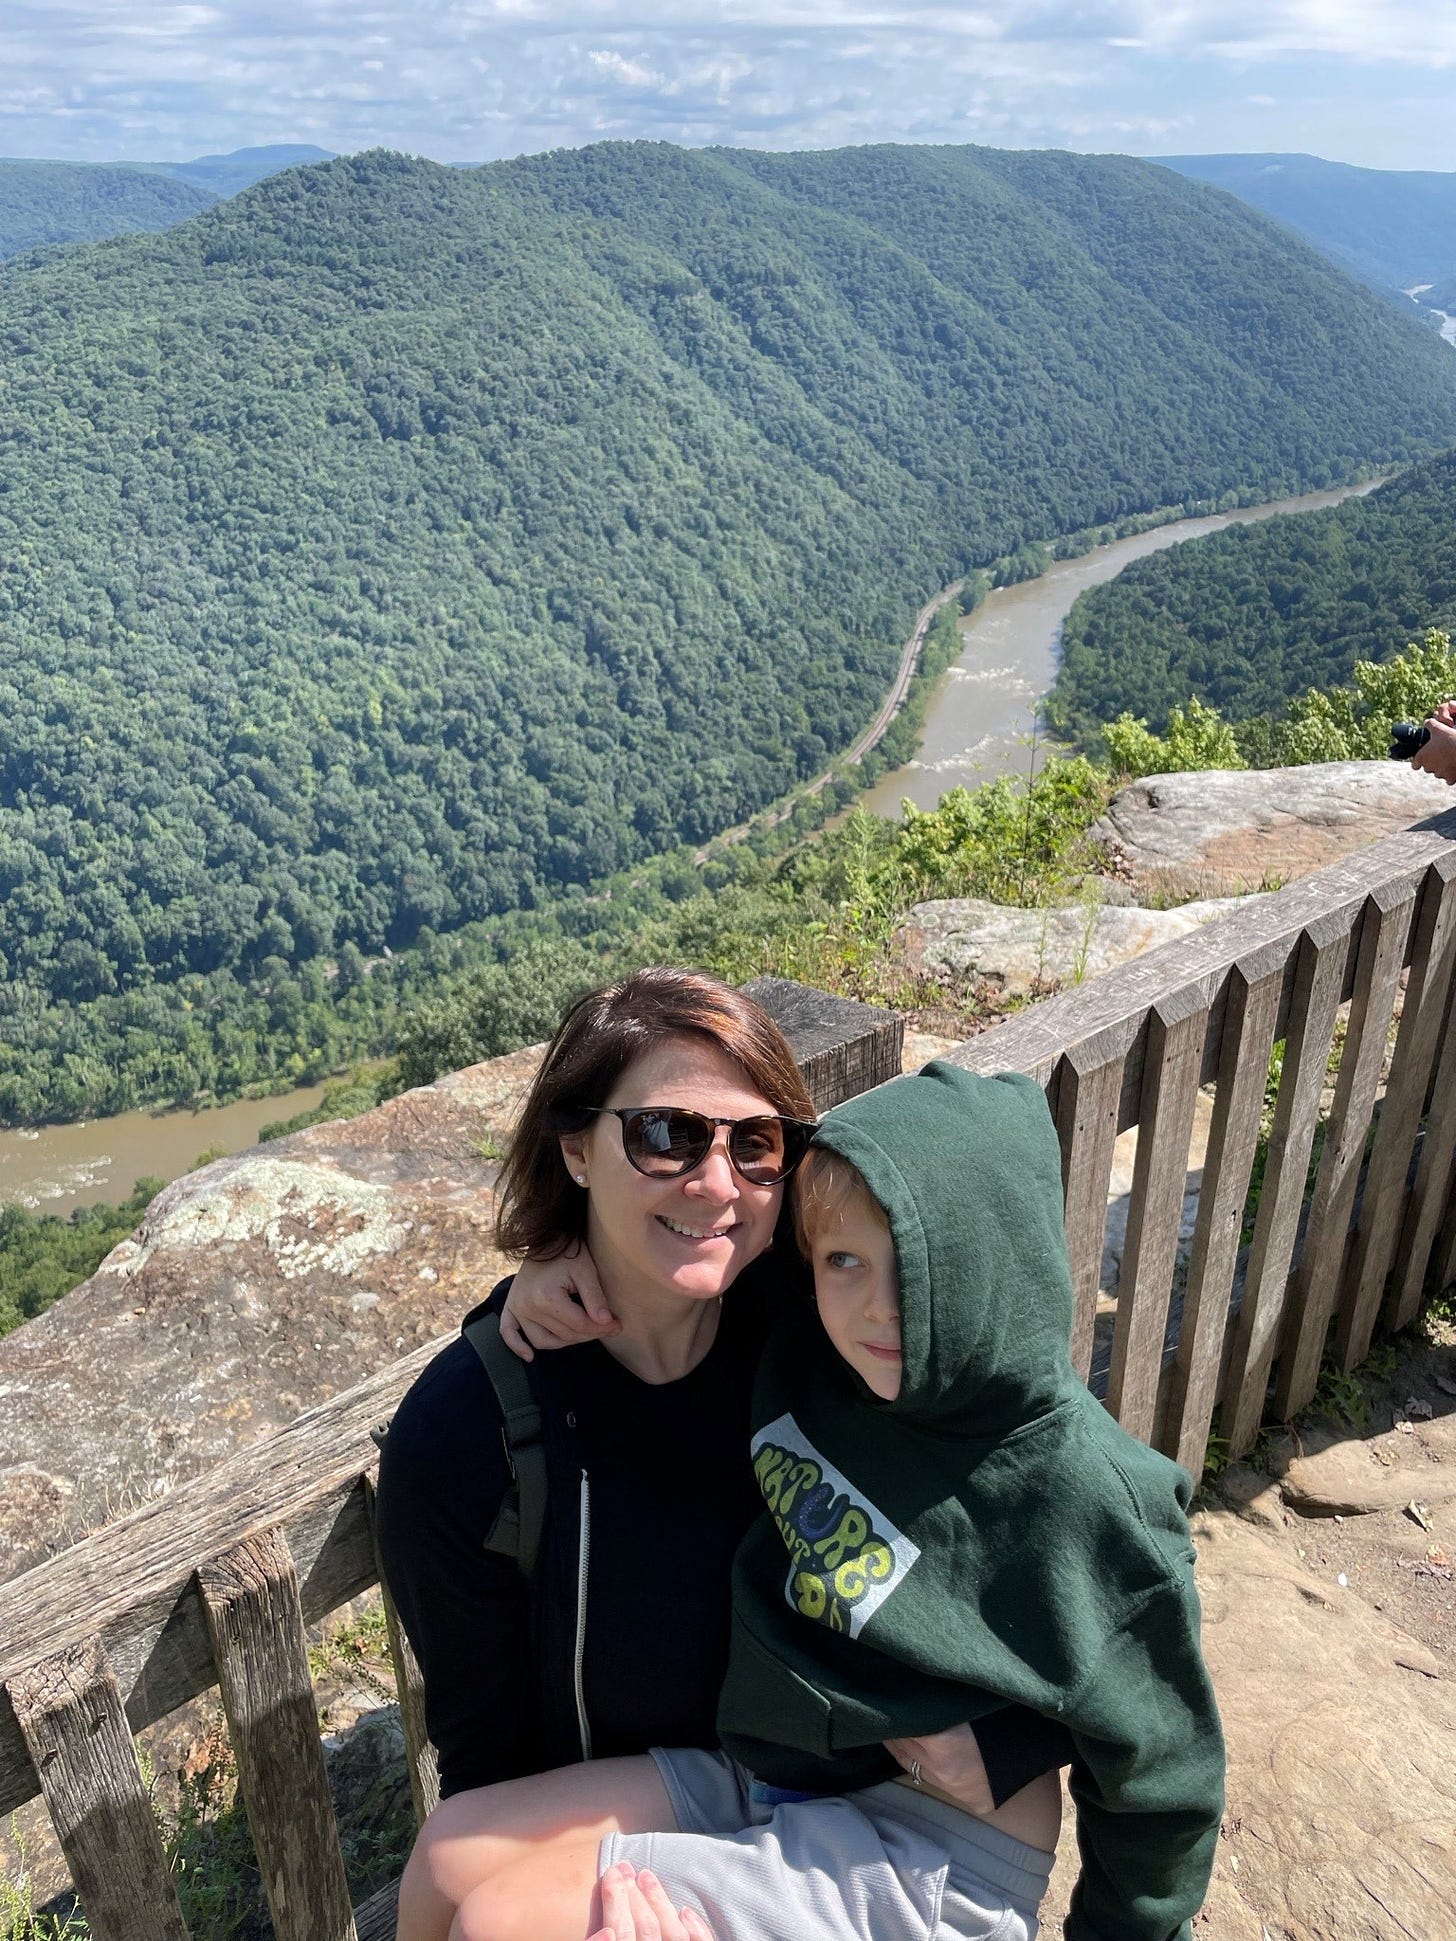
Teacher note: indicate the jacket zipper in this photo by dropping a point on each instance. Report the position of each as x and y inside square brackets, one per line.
[583, 1557]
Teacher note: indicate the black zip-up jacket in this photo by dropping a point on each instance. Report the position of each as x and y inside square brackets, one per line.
[622, 1641]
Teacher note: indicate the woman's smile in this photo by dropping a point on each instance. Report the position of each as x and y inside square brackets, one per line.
[697, 1233]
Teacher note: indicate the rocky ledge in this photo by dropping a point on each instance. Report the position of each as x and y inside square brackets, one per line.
[1225, 832]
[255, 1288]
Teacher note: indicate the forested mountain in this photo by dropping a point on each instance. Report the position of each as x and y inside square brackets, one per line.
[76, 202]
[81, 202]
[1393, 228]
[393, 544]
[1251, 617]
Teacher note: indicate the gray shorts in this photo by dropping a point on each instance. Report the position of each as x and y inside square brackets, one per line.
[884, 1864]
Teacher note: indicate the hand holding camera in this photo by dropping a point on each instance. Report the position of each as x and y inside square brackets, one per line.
[1430, 745]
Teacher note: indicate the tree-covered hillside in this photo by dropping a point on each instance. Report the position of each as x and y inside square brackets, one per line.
[79, 202]
[1392, 227]
[394, 544]
[73, 202]
[1251, 617]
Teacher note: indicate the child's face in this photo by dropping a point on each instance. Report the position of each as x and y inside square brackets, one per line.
[856, 1287]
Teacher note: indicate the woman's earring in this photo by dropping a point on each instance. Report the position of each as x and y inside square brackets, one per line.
[581, 1179]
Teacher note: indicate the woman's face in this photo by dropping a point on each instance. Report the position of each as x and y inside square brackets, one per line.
[693, 1234]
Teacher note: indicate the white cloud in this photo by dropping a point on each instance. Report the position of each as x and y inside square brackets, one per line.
[636, 74]
[467, 79]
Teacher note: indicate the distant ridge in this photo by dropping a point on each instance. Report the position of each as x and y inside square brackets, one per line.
[228, 174]
[1393, 228]
[47, 203]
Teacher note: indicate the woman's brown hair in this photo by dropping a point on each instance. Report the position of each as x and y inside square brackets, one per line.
[539, 1211]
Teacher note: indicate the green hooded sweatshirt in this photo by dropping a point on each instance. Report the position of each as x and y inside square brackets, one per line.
[990, 1535]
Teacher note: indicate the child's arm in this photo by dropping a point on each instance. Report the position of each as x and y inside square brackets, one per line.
[556, 1303]
[981, 1766]
[1147, 1778]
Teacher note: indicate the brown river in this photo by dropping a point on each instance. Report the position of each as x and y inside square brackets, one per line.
[60, 1167]
[978, 727]
[981, 714]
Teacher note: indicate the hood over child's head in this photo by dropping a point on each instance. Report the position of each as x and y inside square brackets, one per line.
[968, 1172]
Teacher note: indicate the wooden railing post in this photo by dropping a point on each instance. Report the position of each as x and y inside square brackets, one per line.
[1384, 1199]
[255, 1622]
[1419, 1251]
[842, 1047]
[1319, 977]
[1251, 1012]
[1172, 1065]
[1089, 1091]
[70, 1715]
[1384, 933]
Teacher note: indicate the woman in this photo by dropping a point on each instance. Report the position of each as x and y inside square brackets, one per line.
[666, 1115]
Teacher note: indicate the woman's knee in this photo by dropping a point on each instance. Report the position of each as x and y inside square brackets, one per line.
[451, 1855]
[557, 1901]
[489, 1914]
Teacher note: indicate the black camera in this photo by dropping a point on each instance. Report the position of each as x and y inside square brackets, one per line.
[1407, 738]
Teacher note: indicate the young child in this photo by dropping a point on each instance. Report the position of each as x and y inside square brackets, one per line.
[953, 1522]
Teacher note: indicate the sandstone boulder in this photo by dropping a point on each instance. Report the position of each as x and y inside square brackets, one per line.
[253, 1290]
[1225, 832]
[1024, 951]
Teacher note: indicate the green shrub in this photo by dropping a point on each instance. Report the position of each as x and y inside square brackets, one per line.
[43, 1256]
[1197, 737]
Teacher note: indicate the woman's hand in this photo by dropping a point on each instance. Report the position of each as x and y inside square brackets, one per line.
[635, 1908]
[556, 1304]
[951, 1762]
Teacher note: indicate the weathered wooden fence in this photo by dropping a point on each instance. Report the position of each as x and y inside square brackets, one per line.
[1319, 968]
[214, 1585]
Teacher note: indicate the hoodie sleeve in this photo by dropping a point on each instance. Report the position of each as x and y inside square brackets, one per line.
[1147, 1778]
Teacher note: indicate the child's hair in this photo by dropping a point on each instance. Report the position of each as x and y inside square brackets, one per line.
[822, 1185]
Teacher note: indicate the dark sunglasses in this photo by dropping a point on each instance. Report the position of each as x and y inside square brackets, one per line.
[665, 1140]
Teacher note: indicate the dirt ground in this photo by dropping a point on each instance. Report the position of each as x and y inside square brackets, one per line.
[1401, 1561]
[1331, 1636]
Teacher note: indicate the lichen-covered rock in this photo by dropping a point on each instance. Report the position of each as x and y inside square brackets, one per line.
[255, 1288]
[1025, 951]
[1224, 832]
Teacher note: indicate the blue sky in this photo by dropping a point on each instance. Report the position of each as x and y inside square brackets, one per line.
[1365, 81]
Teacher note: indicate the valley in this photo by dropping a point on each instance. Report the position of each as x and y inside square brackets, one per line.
[392, 550]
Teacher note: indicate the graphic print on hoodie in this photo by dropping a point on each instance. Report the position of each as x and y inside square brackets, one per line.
[845, 1557]
[990, 1535]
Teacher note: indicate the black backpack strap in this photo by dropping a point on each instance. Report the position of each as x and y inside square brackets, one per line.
[517, 1529]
